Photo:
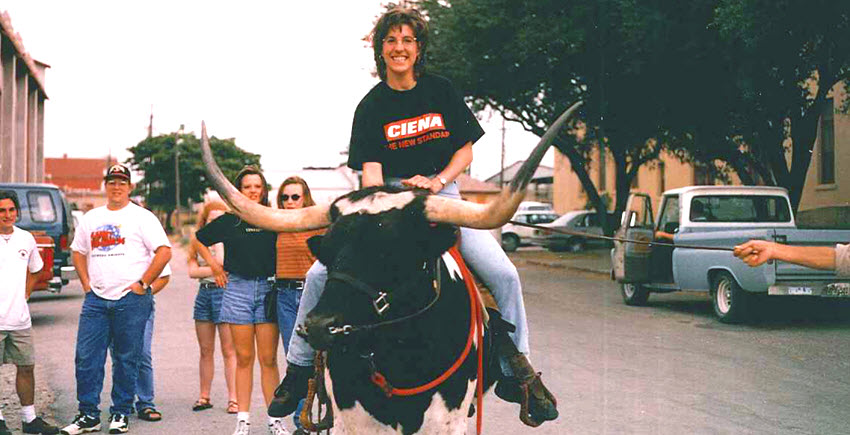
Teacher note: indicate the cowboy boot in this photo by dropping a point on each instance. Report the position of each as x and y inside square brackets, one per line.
[537, 404]
[291, 390]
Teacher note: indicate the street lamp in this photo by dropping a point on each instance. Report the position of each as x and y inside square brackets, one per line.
[177, 141]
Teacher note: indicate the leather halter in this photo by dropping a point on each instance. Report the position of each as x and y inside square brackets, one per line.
[380, 302]
[476, 330]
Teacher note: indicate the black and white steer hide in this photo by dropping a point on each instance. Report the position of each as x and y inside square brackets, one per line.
[381, 237]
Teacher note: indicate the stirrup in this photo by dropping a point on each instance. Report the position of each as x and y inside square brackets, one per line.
[537, 403]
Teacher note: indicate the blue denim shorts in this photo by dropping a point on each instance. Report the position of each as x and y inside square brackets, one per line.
[208, 303]
[242, 302]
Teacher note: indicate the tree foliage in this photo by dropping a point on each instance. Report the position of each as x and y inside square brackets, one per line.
[707, 79]
[154, 157]
[530, 60]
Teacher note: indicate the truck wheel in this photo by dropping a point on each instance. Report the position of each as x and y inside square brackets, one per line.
[634, 294]
[510, 242]
[731, 302]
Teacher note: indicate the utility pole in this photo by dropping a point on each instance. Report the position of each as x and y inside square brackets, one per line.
[177, 140]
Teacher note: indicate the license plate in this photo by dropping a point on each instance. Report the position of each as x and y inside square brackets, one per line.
[798, 291]
[837, 289]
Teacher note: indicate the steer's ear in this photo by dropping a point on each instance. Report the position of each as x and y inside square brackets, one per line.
[314, 243]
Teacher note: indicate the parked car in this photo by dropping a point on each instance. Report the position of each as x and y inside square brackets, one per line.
[535, 206]
[583, 221]
[721, 217]
[514, 236]
[44, 208]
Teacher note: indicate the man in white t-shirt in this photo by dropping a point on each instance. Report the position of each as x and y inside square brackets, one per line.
[118, 251]
[20, 265]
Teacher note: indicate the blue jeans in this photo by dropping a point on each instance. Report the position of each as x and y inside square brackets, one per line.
[144, 383]
[287, 310]
[242, 302]
[481, 252]
[119, 326]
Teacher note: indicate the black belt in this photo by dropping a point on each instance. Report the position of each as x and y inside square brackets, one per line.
[208, 285]
[289, 284]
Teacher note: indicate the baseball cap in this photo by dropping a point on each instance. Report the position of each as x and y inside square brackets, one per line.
[117, 171]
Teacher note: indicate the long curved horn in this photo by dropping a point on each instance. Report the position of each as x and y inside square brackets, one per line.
[500, 210]
[301, 219]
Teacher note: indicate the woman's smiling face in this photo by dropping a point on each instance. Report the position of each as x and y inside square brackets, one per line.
[400, 51]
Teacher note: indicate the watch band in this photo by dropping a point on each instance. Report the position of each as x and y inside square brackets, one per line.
[443, 180]
[142, 283]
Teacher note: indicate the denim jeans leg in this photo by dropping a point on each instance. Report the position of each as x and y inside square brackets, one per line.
[483, 254]
[92, 341]
[144, 382]
[287, 310]
[128, 330]
[300, 352]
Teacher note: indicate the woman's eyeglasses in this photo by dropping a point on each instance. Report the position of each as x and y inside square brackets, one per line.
[286, 197]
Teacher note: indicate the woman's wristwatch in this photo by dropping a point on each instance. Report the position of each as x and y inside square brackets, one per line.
[144, 286]
[443, 181]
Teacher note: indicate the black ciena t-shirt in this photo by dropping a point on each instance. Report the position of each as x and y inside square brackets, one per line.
[248, 251]
[413, 132]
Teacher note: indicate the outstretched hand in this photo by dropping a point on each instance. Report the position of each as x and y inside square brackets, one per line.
[756, 252]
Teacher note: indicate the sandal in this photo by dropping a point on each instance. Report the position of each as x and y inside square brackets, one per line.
[202, 404]
[150, 414]
[232, 407]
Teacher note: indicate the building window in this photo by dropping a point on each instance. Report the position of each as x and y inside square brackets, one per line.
[661, 175]
[603, 166]
[702, 176]
[827, 145]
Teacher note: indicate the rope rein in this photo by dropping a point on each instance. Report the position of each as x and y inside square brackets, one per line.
[619, 239]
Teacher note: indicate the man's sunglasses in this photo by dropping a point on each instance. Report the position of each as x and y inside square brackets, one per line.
[286, 197]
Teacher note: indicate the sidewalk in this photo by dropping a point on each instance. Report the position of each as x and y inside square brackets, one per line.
[596, 261]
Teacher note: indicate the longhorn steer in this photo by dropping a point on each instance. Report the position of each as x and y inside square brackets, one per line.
[389, 305]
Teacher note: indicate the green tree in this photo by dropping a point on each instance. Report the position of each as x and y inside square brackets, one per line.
[529, 60]
[785, 57]
[154, 157]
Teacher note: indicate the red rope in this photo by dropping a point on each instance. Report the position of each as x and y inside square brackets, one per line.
[476, 328]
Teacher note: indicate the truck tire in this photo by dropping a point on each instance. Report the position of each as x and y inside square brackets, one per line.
[731, 302]
[510, 242]
[634, 295]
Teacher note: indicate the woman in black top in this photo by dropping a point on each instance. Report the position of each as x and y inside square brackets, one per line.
[245, 276]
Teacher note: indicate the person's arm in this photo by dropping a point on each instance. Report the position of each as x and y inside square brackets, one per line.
[373, 174]
[159, 284]
[758, 252]
[81, 264]
[218, 272]
[460, 160]
[162, 255]
[197, 271]
[32, 278]
[663, 235]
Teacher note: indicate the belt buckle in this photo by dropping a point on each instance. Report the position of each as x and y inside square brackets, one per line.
[297, 285]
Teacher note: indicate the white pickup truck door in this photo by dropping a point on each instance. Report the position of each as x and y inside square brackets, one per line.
[631, 260]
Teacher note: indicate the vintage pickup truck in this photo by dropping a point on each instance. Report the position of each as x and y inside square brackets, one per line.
[717, 216]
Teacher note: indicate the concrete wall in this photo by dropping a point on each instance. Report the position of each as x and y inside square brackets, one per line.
[22, 99]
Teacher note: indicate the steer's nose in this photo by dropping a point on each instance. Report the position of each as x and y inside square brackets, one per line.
[318, 332]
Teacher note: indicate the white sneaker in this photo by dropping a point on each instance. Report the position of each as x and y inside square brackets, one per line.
[277, 428]
[82, 424]
[242, 428]
[118, 424]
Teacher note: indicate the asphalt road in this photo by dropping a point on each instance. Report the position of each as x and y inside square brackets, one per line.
[669, 368]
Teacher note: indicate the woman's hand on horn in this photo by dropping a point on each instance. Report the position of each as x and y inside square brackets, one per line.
[422, 182]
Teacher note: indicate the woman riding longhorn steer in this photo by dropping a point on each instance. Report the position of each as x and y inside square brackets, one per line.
[400, 38]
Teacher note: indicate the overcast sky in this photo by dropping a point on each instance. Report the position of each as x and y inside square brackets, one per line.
[283, 78]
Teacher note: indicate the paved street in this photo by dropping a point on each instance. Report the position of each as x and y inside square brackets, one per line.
[669, 368]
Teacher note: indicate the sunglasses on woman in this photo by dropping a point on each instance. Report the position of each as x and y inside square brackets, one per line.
[286, 197]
